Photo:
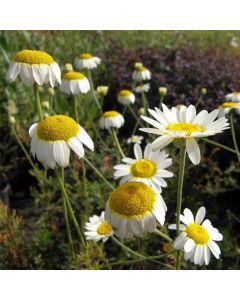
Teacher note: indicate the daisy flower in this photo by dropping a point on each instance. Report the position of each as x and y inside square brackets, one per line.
[197, 237]
[86, 61]
[184, 126]
[74, 83]
[135, 139]
[52, 139]
[126, 97]
[148, 167]
[98, 229]
[111, 119]
[133, 209]
[142, 88]
[34, 66]
[226, 107]
[233, 97]
[141, 73]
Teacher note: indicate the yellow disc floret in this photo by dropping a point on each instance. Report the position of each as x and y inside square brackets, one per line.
[33, 57]
[230, 104]
[132, 199]
[141, 68]
[73, 76]
[236, 93]
[143, 168]
[57, 128]
[187, 127]
[197, 233]
[110, 114]
[85, 56]
[124, 93]
[104, 229]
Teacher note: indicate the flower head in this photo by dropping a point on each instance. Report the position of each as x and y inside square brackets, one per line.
[184, 126]
[148, 167]
[52, 139]
[98, 229]
[86, 61]
[197, 237]
[141, 73]
[233, 97]
[34, 66]
[126, 97]
[133, 208]
[227, 107]
[142, 88]
[111, 119]
[74, 83]
[135, 139]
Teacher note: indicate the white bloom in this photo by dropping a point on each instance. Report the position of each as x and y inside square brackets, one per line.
[197, 238]
[86, 61]
[226, 107]
[34, 66]
[126, 97]
[98, 229]
[135, 139]
[148, 168]
[233, 42]
[141, 73]
[132, 209]
[111, 119]
[233, 97]
[142, 88]
[74, 83]
[52, 139]
[184, 125]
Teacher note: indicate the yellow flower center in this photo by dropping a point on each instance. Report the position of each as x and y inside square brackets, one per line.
[197, 233]
[110, 114]
[104, 229]
[57, 128]
[85, 56]
[236, 93]
[132, 198]
[33, 57]
[73, 76]
[124, 93]
[143, 168]
[135, 138]
[141, 68]
[187, 127]
[230, 104]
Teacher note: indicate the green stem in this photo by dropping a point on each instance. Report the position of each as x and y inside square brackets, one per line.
[76, 108]
[138, 119]
[126, 248]
[84, 178]
[124, 110]
[163, 235]
[93, 90]
[98, 173]
[117, 143]
[38, 102]
[199, 101]
[179, 194]
[161, 102]
[220, 146]
[234, 137]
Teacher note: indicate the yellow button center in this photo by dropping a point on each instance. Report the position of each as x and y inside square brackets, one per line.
[110, 114]
[85, 56]
[197, 233]
[33, 57]
[104, 229]
[143, 168]
[188, 128]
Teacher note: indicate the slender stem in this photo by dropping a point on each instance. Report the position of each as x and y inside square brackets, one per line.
[51, 102]
[220, 146]
[76, 108]
[163, 235]
[38, 102]
[124, 110]
[126, 248]
[72, 215]
[84, 178]
[61, 179]
[93, 90]
[179, 194]
[161, 102]
[98, 173]
[117, 143]
[234, 137]
[199, 101]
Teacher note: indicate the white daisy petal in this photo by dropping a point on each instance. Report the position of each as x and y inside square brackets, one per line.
[200, 215]
[189, 245]
[193, 151]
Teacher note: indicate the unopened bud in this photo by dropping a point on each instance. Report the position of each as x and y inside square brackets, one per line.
[138, 65]
[46, 115]
[12, 120]
[141, 111]
[45, 104]
[203, 91]
[102, 90]
[40, 89]
[51, 91]
[162, 91]
[69, 67]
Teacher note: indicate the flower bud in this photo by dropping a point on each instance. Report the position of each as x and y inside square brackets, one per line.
[68, 67]
[51, 91]
[203, 91]
[162, 91]
[12, 120]
[102, 90]
[45, 104]
[141, 111]
[138, 65]
[40, 89]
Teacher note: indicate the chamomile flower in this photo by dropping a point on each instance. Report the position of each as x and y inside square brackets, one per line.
[197, 237]
[184, 126]
[226, 107]
[233, 97]
[74, 83]
[52, 139]
[126, 97]
[98, 229]
[111, 119]
[133, 209]
[86, 61]
[135, 139]
[142, 88]
[34, 66]
[141, 73]
[148, 167]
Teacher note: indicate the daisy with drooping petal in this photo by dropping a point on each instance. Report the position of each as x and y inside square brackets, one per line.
[34, 66]
[148, 167]
[142, 88]
[133, 208]
[197, 237]
[126, 97]
[86, 61]
[111, 119]
[226, 107]
[141, 73]
[74, 83]
[52, 139]
[184, 126]
[135, 139]
[233, 97]
[98, 229]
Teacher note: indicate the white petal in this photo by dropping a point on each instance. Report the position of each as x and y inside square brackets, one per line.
[32, 129]
[188, 215]
[180, 241]
[85, 138]
[206, 253]
[198, 254]
[190, 244]
[76, 146]
[200, 215]
[137, 151]
[162, 141]
[61, 152]
[193, 151]
[147, 151]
